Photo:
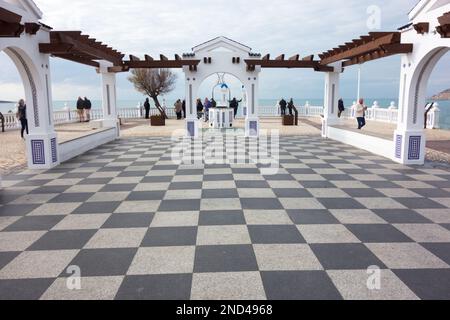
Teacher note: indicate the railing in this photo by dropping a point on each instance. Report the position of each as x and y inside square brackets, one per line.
[374, 113]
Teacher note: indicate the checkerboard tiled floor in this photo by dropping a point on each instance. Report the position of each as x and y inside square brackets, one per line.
[140, 227]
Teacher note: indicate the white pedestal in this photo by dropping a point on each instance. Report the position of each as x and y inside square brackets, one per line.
[409, 147]
[192, 127]
[221, 118]
[252, 127]
[42, 151]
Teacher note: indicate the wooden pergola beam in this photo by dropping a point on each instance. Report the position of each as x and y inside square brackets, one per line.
[422, 27]
[294, 57]
[148, 58]
[32, 28]
[11, 30]
[280, 57]
[266, 57]
[308, 58]
[9, 17]
[289, 64]
[161, 64]
[81, 60]
[377, 39]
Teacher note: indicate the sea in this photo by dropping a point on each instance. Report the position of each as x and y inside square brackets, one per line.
[444, 106]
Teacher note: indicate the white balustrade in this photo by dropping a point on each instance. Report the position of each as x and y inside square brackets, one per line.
[375, 113]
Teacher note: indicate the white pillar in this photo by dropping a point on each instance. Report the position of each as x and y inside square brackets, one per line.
[252, 125]
[359, 83]
[192, 122]
[331, 99]
[409, 138]
[109, 97]
[42, 142]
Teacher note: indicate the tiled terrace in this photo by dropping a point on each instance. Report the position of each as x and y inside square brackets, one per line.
[141, 227]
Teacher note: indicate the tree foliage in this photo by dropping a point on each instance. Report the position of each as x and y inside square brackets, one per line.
[153, 83]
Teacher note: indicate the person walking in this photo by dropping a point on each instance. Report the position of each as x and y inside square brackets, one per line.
[184, 109]
[361, 114]
[234, 104]
[80, 109]
[147, 108]
[283, 106]
[22, 117]
[341, 107]
[87, 109]
[291, 107]
[179, 109]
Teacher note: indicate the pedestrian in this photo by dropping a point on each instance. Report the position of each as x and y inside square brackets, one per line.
[179, 109]
[361, 114]
[22, 117]
[234, 104]
[341, 107]
[283, 105]
[184, 109]
[199, 108]
[207, 105]
[87, 109]
[291, 106]
[80, 109]
[147, 108]
[213, 103]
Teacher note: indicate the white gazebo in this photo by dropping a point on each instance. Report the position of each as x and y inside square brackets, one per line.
[222, 56]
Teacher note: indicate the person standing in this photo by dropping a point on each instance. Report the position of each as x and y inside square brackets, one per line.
[361, 114]
[184, 109]
[178, 109]
[147, 108]
[207, 105]
[213, 103]
[234, 104]
[291, 107]
[87, 109]
[341, 107]
[199, 108]
[283, 105]
[22, 117]
[80, 109]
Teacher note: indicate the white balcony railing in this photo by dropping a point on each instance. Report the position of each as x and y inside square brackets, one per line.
[374, 113]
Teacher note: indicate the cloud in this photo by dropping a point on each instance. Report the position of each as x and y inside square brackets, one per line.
[282, 26]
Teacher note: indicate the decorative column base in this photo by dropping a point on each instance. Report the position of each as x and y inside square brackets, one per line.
[252, 127]
[42, 150]
[192, 127]
[410, 147]
[326, 122]
[112, 123]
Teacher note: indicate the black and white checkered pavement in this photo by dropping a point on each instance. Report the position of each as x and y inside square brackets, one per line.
[139, 226]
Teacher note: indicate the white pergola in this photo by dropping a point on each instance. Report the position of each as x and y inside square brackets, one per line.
[423, 42]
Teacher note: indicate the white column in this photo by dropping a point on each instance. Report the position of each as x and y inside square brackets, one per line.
[42, 142]
[252, 125]
[409, 138]
[192, 122]
[109, 97]
[331, 99]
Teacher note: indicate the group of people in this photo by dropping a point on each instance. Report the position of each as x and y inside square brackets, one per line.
[287, 106]
[360, 112]
[84, 107]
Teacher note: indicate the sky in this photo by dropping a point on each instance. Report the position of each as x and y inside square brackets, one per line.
[306, 27]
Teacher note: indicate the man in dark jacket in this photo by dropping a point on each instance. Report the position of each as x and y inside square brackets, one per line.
[234, 104]
[184, 109]
[283, 106]
[147, 108]
[80, 109]
[341, 107]
[87, 109]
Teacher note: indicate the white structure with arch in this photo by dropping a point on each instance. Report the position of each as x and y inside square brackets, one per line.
[222, 55]
[23, 47]
[429, 47]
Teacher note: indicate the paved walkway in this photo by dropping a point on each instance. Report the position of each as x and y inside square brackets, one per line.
[139, 226]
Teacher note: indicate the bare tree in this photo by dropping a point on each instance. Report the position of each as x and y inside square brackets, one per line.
[153, 83]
